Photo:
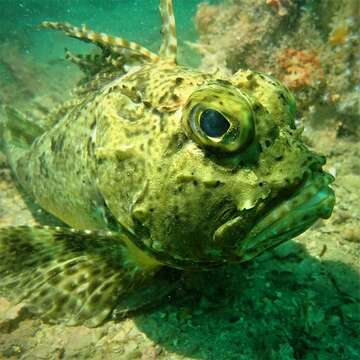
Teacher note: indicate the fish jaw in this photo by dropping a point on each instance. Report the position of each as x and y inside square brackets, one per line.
[314, 200]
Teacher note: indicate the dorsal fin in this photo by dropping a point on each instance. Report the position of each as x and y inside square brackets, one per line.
[117, 51]
[115, 44]
[169, 46]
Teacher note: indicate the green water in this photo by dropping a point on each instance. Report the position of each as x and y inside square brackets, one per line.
[136, 20]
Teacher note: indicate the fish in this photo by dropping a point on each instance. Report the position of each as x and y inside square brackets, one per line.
[155, 170]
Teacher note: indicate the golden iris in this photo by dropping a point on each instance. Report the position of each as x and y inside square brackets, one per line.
[220, 117]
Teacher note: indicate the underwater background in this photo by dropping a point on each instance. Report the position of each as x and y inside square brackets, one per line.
[298, 301]
[20, 19]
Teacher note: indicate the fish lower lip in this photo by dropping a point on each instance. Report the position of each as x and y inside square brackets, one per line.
[314, 200]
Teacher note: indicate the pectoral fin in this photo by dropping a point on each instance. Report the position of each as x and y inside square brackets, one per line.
[76, 277]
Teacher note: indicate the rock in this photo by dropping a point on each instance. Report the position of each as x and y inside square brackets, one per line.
[345, 280]
[352, 233]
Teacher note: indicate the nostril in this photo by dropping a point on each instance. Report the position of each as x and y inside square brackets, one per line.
[316, 166]
[316, 162]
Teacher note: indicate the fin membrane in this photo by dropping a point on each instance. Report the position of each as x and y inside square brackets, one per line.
[169, 46]
[104, 41]
[70, 276]
[24, 127]
[17, 132]
[115, 50]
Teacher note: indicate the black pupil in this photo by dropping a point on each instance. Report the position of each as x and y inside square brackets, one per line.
[213, 124]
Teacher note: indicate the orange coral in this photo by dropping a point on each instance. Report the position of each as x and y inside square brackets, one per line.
[302, 68]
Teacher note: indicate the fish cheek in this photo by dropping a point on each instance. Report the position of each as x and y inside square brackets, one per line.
[120, 165]
[180, 218]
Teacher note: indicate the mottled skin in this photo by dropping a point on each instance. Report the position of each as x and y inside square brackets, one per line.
[128, 155]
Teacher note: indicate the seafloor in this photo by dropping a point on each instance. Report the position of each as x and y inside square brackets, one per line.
[299, 301]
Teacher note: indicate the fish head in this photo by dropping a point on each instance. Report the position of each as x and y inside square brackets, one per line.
[228, 176]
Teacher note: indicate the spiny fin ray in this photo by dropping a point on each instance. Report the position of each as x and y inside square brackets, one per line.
[17, 132]
[169, 46]
[76, 277]
[104, 41]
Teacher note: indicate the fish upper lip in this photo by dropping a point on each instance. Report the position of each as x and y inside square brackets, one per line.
[314, 199]
[310, 200]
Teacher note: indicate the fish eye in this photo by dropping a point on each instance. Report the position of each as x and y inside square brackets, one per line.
[220, 118]
[213, 123]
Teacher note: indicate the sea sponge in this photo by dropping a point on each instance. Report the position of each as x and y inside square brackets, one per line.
[339, 35]
[205, 16]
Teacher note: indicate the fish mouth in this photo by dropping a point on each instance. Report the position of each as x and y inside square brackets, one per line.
[314, 200]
